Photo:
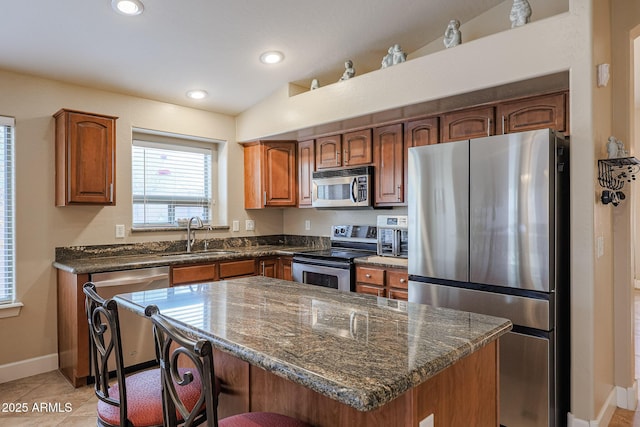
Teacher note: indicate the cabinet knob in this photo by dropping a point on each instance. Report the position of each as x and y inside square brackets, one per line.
[402, 280]
[368, 276]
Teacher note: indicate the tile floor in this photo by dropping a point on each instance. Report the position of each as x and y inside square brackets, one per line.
[622, 417]
[48, 400]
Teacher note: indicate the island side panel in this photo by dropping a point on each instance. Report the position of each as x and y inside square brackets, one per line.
[233, 375]
[466, 393]
[73, 331]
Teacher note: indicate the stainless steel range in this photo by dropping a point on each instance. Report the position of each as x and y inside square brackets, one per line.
[335, 267]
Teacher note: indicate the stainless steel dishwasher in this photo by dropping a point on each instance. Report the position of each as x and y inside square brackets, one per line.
[135, 331]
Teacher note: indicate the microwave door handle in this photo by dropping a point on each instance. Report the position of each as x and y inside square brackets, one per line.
[354, 198]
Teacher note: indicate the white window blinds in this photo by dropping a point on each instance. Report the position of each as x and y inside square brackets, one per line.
[170, 181]
[7, 190]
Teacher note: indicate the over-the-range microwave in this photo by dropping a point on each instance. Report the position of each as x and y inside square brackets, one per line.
[342, 188]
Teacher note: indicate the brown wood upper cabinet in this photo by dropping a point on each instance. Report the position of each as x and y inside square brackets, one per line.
[418, 133]
[388, 158]
[85, 158]
[467, 124]
[306, 166]
[349, 149]
[539, 112]
[270, 174]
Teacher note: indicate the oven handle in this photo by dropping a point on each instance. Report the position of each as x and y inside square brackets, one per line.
[323, 263]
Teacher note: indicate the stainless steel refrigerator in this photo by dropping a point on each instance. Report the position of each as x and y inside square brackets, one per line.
[489, 233]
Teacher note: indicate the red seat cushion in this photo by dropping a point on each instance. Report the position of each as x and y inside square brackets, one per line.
[144, 398]
[261, 419]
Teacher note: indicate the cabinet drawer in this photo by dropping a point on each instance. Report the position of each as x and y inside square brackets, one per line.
[397, 279]
[194, 273]
[370, 275]
[398, 294]
[370, 290]
[244, 267]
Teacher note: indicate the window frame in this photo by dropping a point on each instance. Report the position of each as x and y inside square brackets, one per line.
[7, 260]
[163, 140]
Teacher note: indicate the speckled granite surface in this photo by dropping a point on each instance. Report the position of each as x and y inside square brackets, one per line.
[95, 259]
[357, 349]
[383, 261]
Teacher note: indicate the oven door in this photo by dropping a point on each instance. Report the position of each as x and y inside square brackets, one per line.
[330, 274]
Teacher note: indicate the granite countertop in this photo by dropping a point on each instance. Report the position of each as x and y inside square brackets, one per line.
[358, 349]
[97, 264]
[383, 261]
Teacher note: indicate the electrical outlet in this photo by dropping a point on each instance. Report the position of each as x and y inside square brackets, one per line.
[119, 231]
[307, 224]
[249, 225]
[235, 225]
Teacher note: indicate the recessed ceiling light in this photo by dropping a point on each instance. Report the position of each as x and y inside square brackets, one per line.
[272, 57]
[127, 7]
[197, 94]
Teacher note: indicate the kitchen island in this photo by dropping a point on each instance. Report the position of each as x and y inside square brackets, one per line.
[336, 358]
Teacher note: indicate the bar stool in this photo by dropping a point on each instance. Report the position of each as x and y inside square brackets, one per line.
[175, 345]
[134, 400]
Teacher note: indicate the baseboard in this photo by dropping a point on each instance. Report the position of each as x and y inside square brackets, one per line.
[604, 417]
[627, 398]
[29, 367]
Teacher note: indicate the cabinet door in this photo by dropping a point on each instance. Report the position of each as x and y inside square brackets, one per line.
[418, 133]
[85, 158]
[306, 166]
[363, 288]
[356, 148]
[268, 267]
[240, 268]
[194, 274]
[389, 165]
[285, 272]
[540, 112]
[466, 124]
[280, 173]
[329, 152]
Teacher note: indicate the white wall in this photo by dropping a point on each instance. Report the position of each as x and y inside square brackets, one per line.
[558, 43]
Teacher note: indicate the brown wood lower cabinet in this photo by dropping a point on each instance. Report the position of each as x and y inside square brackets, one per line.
[237, 268]
[464, 394]
[182, 275]
[383, 282]
[284, 267]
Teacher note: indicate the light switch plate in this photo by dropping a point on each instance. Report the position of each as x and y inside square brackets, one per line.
[235, 226]
[427, 422]
[119, 231]
[249, 225]
[307, 224]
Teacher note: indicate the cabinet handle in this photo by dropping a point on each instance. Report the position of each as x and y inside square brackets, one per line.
[345, 157]
[338, 157]
[111, 192]
[503, 124]
[262, 262]
[489, 126]
[379, 290]
[399, 192]
[264, 198]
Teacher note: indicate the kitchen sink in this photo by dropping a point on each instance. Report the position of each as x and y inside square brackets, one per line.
[198, 253]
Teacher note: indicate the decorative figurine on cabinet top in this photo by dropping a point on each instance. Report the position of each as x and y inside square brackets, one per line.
[394, 56]
[387, 61]
[398, 55]
[315, 84]
[520, 13]
[349, 71]
[452, 35]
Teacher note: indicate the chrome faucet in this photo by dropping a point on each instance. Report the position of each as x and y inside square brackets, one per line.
[192, 240]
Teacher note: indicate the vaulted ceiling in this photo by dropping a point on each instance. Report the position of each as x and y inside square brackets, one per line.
[176, 46]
